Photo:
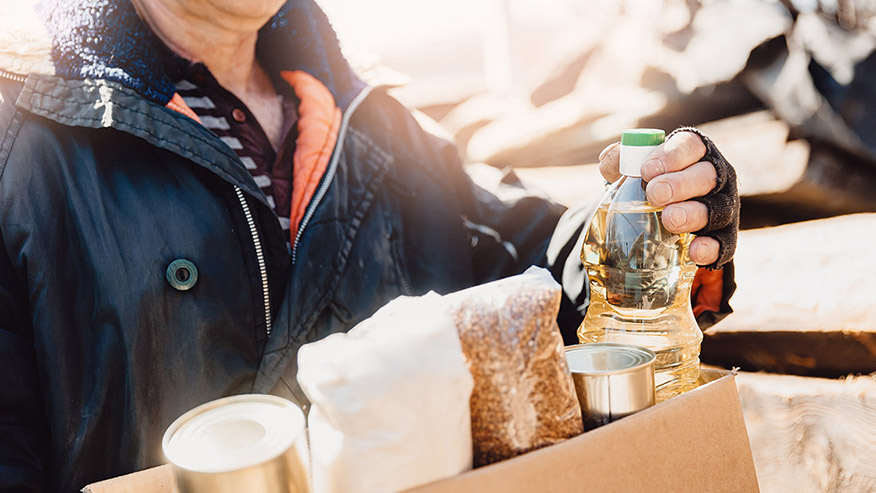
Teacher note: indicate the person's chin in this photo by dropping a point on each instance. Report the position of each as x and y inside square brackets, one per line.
[249, 8]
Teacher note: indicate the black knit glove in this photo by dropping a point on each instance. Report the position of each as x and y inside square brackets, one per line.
[722, 202]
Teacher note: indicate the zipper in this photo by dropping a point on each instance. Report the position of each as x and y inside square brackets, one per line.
[332, 169]
[260, 256]
[11, 76]
[405, 284]
[320, 193]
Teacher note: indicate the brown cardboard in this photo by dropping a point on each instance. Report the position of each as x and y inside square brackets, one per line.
[156, 480]
[696, 442]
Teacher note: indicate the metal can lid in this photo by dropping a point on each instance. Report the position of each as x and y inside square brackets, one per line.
[606, 358]
[233, 433]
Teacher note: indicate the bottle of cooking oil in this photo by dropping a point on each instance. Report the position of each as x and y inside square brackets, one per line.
[641, 274]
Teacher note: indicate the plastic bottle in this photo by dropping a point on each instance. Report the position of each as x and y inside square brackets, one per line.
[641, 274]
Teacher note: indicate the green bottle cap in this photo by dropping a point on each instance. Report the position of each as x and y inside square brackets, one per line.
[643, 137]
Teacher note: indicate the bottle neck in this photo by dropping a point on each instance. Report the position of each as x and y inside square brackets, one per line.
[632, 157]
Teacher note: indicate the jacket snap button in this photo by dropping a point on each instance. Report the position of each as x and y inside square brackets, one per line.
[182, 274]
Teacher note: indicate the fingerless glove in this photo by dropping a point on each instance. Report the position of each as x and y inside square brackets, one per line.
[722, 202]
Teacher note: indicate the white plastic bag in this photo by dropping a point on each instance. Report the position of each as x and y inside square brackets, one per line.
[390, 400]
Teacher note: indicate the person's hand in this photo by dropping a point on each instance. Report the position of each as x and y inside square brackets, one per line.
[677, 172]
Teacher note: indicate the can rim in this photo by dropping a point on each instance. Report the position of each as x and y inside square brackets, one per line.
[191, 414]
[650, 357]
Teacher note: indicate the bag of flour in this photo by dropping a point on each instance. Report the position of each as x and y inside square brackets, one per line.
[390, 400]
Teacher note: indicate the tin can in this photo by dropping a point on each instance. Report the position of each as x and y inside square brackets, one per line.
[240, 443]
[611, 380]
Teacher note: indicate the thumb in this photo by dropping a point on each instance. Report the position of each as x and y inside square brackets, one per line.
[609, 162]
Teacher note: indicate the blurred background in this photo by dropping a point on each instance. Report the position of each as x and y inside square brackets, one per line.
[787, 89]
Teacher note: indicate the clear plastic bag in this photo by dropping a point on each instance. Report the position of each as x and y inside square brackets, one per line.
[523, 397]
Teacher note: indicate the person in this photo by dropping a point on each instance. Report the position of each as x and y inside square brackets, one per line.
[192, 189]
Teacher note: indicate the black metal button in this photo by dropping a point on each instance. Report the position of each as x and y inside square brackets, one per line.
[182, 274]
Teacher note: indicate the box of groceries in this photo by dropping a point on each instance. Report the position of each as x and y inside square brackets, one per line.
[472, 391]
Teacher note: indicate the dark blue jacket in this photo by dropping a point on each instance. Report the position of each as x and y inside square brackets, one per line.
[105, 337]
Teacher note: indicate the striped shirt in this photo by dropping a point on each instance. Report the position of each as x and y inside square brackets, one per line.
[226, 116]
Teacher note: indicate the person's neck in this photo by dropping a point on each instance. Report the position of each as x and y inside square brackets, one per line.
[224, 43]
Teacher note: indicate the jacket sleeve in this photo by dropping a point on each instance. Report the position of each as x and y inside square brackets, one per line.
[512, 228]
[21, 430]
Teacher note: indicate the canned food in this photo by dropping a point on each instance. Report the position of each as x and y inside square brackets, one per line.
[240, 443]
[611, 380]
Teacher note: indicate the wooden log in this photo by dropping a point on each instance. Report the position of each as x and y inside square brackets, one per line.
[756, 144]
[804, 302]
[784, 181]
[575, 128]
[780, 181]
[834, 183]
[811, 434]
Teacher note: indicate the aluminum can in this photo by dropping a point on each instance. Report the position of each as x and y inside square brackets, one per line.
[611, 380]
[240, 443]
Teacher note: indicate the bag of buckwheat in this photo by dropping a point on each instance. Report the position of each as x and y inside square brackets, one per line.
[523, 396]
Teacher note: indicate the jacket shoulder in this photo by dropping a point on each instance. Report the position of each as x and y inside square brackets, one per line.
[413, 140]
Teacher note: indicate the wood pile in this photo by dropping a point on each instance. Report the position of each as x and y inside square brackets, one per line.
[802, 151]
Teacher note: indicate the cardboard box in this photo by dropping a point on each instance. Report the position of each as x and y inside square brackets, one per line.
[695, 442]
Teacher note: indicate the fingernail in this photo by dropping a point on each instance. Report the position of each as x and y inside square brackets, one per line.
[652, 168]
[661, 193]
[677, 217]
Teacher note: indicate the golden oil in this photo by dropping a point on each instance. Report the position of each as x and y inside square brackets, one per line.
[640, 281]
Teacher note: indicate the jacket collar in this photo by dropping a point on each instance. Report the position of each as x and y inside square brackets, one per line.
[109, 70]
[106, 40]
[103, 104]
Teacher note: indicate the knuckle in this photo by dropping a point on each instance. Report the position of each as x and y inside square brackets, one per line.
[698, 215]
[691, 145]
[707, 177]
[679, 182]
[708, 168]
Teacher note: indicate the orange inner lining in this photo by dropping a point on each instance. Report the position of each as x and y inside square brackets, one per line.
[708, 286]
[319, 120]
[179, 105]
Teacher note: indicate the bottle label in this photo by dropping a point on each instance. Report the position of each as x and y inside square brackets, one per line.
[632, 157]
